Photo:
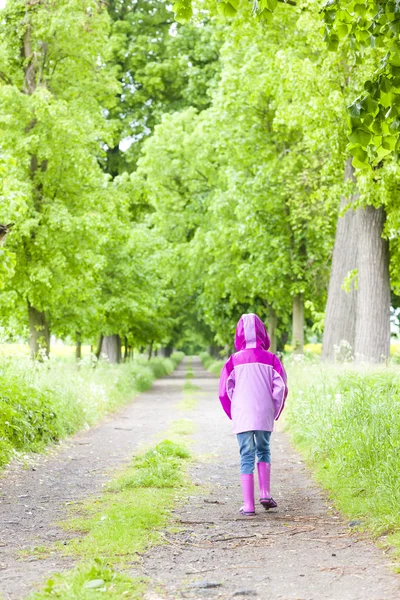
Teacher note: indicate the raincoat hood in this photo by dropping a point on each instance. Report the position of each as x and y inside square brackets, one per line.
[251, 333]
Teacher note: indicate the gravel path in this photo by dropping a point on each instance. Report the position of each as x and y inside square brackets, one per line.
[302, 551]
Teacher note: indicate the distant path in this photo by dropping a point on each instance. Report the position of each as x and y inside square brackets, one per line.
[302, 551]
[33, 499]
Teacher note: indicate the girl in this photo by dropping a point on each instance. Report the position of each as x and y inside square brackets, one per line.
[252, 392]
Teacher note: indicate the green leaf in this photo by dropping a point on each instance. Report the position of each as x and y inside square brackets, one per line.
[369, 105]
[360, 10]
[342, 30]
[395, 125]
[389, 142]
[382, 152]
[360, 136]
[226, 9]
[376, 126]
[333, 43]
[354, 109]
[184, 14]
[358, 153]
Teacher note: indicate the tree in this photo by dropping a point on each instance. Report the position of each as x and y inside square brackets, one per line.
[54, 84]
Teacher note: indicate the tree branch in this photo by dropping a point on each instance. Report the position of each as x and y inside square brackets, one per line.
[5, 78]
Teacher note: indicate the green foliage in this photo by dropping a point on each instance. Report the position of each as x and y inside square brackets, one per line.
[372, 30]
[212, 365]
[161, 66]
[348, 425]
[256, 178]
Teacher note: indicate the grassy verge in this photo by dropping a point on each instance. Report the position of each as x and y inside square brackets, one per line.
[42, 403]
[211, 364]
[346, 422]
[124, 522]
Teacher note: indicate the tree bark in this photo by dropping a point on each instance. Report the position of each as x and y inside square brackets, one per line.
[272, 325]
[78, 346]
[372, 340]
[99, 346]
[39, 340]
[298, 324]
[150, 350]
[167, 351]
[341, 307]
[111, 347]
[126, 350]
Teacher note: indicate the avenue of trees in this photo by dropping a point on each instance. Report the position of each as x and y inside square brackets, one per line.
[167, 173]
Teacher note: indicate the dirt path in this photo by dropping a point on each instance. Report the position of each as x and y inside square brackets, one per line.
[302, 551]
[33, 499]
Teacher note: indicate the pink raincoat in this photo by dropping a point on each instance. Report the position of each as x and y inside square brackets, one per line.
[252, 387]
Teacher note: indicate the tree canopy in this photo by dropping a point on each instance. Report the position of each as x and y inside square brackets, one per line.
[165, 175]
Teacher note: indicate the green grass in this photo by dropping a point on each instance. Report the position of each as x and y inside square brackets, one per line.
[91, 581]
[188, 386]
[125, 521]
[346, 422]
[42, 403]
[183, 427]
[211, 364]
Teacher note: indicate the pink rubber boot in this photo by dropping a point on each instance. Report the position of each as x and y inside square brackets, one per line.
[248, 495]
[264, 482]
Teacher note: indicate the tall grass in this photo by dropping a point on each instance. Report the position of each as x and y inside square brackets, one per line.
[347, 424]
[42, 403]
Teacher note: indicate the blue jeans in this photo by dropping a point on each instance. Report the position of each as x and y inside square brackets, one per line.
[250, 444]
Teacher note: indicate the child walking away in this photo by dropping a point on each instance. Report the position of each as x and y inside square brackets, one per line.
[252, 392]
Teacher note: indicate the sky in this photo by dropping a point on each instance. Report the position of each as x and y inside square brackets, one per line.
[2, 3]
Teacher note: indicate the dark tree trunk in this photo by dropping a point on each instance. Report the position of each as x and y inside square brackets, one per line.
[272, 325]
[372, 340]
[99, 346]
[150, 350]
[341, 307]
[298, 324]
[167, 351]
[215, 351]
[126, 349]
[282, 341]
[78, 347]
[39, 341]
[111, 347]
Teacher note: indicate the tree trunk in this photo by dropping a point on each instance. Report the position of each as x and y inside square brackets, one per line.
[272, 325]
[372, 341]
[167, 351]
[78, 347]
[39, 341]
[150, 351]
[111, 347]
[341, 307]
[298, 324]
[126, 350]
[99, 346]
